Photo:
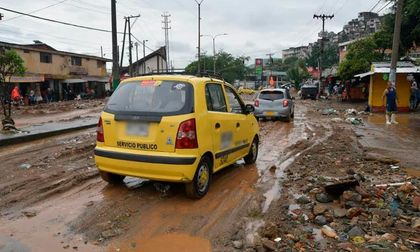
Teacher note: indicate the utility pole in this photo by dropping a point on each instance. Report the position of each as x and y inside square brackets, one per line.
[214, 47]
[130, 44]
[115, 67]
[270, 57]
[323, 17]
[137, 57]
[144, 56]
[199, 35]
[102, 52]
[396, 42]
[1, 16]
[166, 27]
[123, 45]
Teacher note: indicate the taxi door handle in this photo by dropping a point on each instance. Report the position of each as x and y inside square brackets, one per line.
[238, 125]
[217, 126]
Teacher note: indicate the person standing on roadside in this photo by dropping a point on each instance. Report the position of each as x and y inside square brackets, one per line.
[414, 93]
[390, 94]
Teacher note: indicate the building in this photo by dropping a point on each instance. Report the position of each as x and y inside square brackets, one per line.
[378, 82]
[154, 62]
[366, 23]
[67, 74]
[300, 52]
[343, 48]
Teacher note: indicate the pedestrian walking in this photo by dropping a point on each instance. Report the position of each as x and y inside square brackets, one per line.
[390, 94]
[415, 94]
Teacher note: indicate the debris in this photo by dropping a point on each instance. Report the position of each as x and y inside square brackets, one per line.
[352, 196]
[394, 167]
[278, 239]
[407, 188]
[303, 200]
[336, 119]
[323, 198]
[340, 212]
[358, 240]
[29, 213]
[338, 188]
[355, 120]
[320, 220]
[269, 245]
[319, 209]
[355, 231]
[351, 112]
[328, 231]
[25, 166]
[353, 212]
[415, 223]
[329, 111]
[392, 184]
[237, 244]
[108, 234]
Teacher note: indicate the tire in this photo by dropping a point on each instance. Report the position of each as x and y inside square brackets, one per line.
[111, 177]
[253, 152]
[199, 187]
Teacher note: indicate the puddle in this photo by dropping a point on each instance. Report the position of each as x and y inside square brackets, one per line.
[175, 242]
[412, 172]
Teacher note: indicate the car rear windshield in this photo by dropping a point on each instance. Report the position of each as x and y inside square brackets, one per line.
[271, 95]
[149, 97]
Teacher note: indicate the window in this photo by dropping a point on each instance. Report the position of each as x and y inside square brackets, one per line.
[45, 57]
[100, 64]
[235, 104]
[147, 98]
[76, 61]
[271, 95]
[215, 98]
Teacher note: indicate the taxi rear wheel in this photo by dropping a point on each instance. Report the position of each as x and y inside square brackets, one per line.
[197, 188]
[253, 152]
[111, 177]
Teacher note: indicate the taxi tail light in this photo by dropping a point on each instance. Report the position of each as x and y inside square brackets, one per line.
[100, 131]
[256, 103]
[186, 137]
[285, 103]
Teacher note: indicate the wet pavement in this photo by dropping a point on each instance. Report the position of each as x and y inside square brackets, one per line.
[396, 140]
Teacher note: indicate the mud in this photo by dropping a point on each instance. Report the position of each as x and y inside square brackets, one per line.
[59, 202]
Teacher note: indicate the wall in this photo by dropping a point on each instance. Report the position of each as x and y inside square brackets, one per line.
[377, 87]
[60, 66]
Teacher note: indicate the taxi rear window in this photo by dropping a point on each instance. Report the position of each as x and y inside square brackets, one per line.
[149, 97]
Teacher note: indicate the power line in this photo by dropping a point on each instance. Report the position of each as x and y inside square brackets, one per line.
[56, 21]
[38, 10]
[383, 7]
[138, 40]
[371, 9]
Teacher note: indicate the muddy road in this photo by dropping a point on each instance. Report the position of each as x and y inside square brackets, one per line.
[53, 199]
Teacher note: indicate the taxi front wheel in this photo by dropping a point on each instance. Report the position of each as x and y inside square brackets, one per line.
[111, 177]
[197, 188]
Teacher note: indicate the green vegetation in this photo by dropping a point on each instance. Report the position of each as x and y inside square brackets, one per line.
[10, 64]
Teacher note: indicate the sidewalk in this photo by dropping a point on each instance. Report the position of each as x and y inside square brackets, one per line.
[47, 129]
[400, 141]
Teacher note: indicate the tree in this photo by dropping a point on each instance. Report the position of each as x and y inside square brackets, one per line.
[410, 26]
[383, 41]
[329, 57]
[359, 58]
[231, 68]
[10, 64]
[297, 71]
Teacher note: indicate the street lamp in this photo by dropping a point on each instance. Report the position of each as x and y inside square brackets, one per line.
[214, 47]
[199, 19]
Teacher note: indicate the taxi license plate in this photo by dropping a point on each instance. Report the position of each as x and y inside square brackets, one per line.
[137, 129]
[269, 113]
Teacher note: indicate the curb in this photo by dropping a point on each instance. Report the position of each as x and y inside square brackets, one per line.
[31, 137]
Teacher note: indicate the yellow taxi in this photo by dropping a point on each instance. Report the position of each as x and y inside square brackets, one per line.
[174, 128]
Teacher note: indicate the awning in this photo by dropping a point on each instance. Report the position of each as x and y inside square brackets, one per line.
[97, 79]
[363, 75]
[26, 79]
[70, 81]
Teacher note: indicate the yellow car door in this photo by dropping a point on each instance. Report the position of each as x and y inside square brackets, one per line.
[240, 122]
[221, 129]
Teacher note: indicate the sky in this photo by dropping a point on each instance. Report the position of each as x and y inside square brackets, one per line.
[254, 28]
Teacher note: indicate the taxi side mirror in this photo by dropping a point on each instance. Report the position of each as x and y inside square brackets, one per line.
[249, 108]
